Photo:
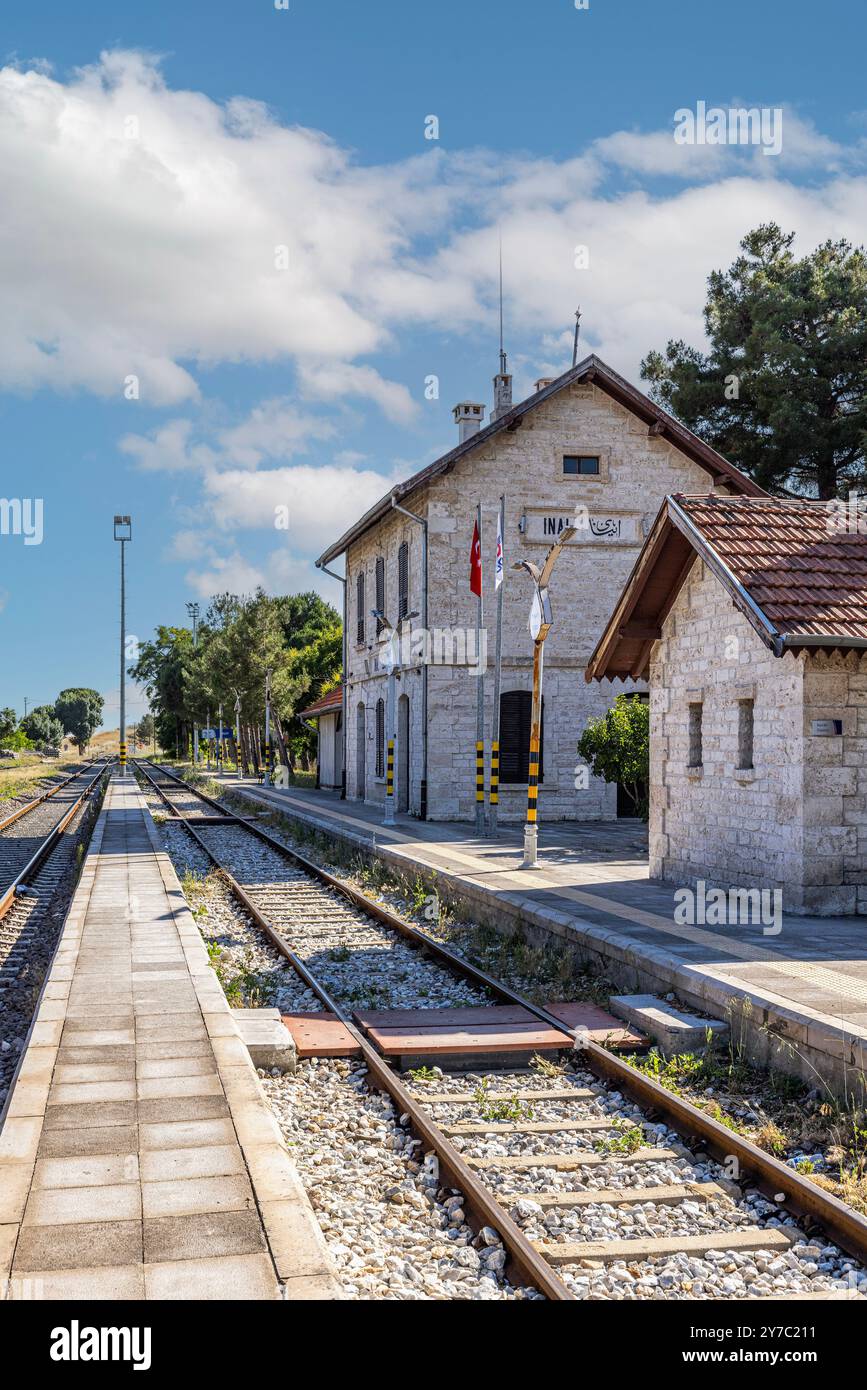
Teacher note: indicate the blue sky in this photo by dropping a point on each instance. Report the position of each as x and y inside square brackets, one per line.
[156, 159]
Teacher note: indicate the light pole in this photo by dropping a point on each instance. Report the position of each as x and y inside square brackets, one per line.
[539, 625]
[389, 656]
[266, 780]
[193, 610]
[220, 740]
[238, 732]
[122, 533]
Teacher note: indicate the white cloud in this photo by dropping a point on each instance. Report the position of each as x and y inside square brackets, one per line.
[322, 501]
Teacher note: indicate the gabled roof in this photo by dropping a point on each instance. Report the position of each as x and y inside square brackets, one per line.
[795, 574]
[326, 704]
[591, 370]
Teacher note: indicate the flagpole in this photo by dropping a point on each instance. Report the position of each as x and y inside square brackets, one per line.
[499, 576]
[480, 694]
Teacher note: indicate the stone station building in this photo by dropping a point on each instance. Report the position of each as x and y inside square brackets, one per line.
[750, 618]
[586, 440]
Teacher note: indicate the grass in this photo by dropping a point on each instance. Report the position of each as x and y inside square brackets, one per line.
[628, 1139]
[509, 1108]
[22, 776]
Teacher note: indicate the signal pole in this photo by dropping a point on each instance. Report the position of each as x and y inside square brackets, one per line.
[193, 610]
[122, 533]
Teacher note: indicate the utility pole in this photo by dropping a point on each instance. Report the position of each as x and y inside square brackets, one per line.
[499, 576]
[26, 700]
[220, 741]
[539, 625]
[238, 732]
[122, 533]
[266, 780]
[193, 610]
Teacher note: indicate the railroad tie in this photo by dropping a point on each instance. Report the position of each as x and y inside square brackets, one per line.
[531, 1127]
[654, 1247]
[670, 1194]
[564, 1163]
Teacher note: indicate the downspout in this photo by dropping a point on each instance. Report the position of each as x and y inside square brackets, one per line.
[344, 683]
[422, 522]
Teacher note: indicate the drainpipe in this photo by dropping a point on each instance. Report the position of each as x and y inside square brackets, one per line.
[345, 675]
[422, 522]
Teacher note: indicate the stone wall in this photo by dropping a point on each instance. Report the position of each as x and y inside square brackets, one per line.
[637, 471]
[796, 820]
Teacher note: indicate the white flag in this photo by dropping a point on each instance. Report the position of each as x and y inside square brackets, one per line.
[498, 568]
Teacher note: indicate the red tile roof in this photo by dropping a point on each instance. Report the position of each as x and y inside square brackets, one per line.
[797, 571]
[806, 574]
[326, 704]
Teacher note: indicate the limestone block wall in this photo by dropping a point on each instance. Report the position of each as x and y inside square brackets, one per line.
[797, 820]
[637, 471]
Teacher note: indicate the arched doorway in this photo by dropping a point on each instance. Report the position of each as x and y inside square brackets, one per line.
[360, 752]
[403, 753]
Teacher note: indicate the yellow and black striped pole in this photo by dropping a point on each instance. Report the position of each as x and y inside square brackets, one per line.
[530, 830]
[480, 775]
[495, 776]
[389, 772]
[123, 757]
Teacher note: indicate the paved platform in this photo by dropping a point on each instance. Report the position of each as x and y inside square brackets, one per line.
[138, 1155]
[797, 999]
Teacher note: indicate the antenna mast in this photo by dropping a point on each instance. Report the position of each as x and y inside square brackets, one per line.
[577, 331]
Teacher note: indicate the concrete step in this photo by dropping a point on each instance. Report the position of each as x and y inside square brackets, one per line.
[266, 1037]
[671, 1029]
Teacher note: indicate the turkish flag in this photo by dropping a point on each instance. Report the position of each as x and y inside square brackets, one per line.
[476, 562]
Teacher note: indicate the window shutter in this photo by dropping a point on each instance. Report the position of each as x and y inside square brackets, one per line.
[380, 592]
[516, 712]
[359, 604]
[403, 581]
[380, 738]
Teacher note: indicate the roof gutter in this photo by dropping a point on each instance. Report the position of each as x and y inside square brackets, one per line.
[422, 522]
[791, 640]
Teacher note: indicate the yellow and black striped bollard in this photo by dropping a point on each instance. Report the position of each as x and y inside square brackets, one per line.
[480, 773]
[495, 772]
[389, 769]
[123, 757]
[533, 781]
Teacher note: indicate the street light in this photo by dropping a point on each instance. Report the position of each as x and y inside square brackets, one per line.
[193, 610]
[539, 624]
[266, 779]
[122, 533]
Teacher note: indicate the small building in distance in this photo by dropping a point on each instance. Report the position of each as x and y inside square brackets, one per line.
[749, 618]
[328, 713]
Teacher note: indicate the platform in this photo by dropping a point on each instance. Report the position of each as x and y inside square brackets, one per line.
[139, 1157]
[796, 999]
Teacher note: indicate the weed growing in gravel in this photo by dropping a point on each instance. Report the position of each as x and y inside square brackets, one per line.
[508, 1108]
[628, 1139]
[423, 1074]
[545, 1067]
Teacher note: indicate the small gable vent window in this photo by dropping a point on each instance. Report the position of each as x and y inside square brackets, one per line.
[586, 465]
[745, 734]
[695, 739]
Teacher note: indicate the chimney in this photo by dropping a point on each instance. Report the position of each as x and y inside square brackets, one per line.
[502, 390]
[468, 418]
[543, 382]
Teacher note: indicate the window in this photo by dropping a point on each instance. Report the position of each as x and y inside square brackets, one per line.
[380, 592]
[402, 581]
[359, 606]
[695, 754]
[516, 709]
[380, 738]
[745, 734]
[580, 464]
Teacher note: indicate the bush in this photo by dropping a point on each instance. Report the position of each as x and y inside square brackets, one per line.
[617, 748]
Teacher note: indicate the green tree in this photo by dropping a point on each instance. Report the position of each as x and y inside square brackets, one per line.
[8, 723]
[43, 727]
[79, 710]
[617, 748]
[144, 729]
[783, 388]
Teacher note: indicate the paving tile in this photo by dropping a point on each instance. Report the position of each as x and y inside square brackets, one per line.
[240, 1277]
[210, 1161]
[19, 1139]
[311, 1288]
[178, 1047]
[8, 1238]
[272, 1172]
[82, 1246]
[149, 1069]
[296, 1242]
[204, 1236]
[75, 1073]
[92, 1170]
[61, 1206]
[85, 1092]
[74, 1143]
[73, 1055]
[29, 1098]
[98, 1114]
[182, 1108]
[90, 1037]
[14, 1188]
[164, 1087]
[199, 1195]
[113, 1283]
[190, 1134]
[176, 1018]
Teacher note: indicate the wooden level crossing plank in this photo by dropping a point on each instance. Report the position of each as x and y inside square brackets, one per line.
[515, 1037]
[566, 1163]
[432, 1019]
[469, 1097]
[670, 1194]
[321, 1035]
[528, 1127]
[655, 1247]
[601, 1026]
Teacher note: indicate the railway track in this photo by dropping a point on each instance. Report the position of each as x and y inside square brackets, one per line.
[30, 833]
[597, 1181]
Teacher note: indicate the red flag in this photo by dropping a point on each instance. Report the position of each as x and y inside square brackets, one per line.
[476, 562]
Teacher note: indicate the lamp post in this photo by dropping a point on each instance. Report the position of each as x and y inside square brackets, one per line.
[193, 610]
[122, 533]
[220, 741]
[238, 732]
[539, 624]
